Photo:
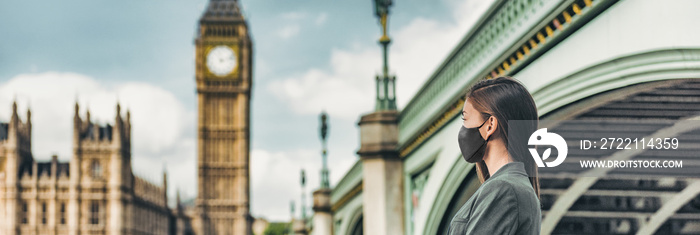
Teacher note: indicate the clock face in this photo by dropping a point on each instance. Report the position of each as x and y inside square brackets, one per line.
[221, 60]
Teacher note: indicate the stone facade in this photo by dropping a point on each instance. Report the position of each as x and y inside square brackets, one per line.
[95, 193]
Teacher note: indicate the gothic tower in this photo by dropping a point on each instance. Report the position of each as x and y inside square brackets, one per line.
[224, 81]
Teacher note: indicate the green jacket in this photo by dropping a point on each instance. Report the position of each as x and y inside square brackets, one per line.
[505, 204]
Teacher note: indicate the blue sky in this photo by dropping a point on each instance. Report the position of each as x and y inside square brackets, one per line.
[309, 56]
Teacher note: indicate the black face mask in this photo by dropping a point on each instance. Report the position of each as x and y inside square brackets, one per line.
[471, 143]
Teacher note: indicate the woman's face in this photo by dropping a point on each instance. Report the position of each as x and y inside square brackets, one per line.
[473, 118]
[470, 116]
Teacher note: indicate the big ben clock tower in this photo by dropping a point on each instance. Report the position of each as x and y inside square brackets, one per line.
[224, 81]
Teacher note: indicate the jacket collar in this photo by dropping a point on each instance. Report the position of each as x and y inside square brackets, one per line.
[517, 168]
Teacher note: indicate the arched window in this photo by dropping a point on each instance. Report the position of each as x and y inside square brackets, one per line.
[96, 169]
[62, 213]
[24, 216]
[43, 213]
[358, 228]
[94, 213]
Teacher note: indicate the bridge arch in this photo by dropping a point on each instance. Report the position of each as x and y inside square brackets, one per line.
[657, 65]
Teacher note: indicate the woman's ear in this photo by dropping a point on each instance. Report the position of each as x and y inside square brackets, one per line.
[491, 127]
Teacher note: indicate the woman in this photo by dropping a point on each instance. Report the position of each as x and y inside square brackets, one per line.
[507, 202]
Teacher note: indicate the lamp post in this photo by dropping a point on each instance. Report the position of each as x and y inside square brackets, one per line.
[303, 196]
[382, 174]
[323, 218]
[325, 182]
[386, 86]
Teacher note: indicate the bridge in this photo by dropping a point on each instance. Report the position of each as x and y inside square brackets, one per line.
[581, 60]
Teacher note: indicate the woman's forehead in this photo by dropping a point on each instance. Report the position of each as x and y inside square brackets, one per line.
[467, 106]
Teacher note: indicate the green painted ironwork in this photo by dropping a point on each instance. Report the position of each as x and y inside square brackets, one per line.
[303, 195]
[386, 84]
[496, 33]
[325, 182]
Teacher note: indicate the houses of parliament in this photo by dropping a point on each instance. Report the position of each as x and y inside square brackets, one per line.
[96, 192]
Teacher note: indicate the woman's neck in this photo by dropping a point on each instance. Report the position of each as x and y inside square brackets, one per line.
[496, 155]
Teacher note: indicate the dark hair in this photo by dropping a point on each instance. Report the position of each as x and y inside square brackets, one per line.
[507, 99]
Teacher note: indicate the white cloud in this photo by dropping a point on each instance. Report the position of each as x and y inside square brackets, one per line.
[272, 193]
[289, 31]
[295, 19]
[342, 91]
[159, 121]
[321, 18]
[347, 88]
[294, 15]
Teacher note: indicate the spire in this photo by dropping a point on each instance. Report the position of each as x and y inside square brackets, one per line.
[119, 110]
[29, 116]
[386, 84]
[177, 197]
[165, 185]
[325, 182]
[14, 108]
[303, 195]
[165, 178]
[127, 123]
[222, 10]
